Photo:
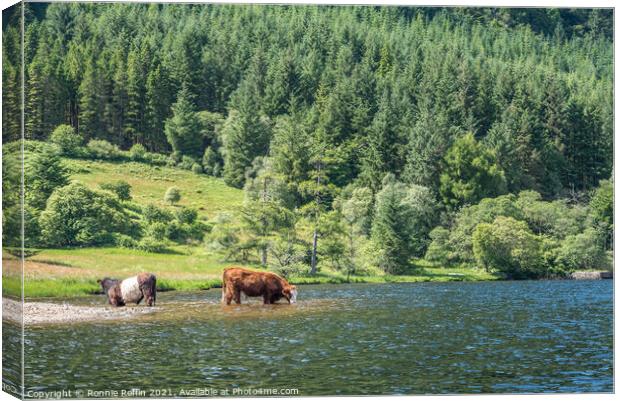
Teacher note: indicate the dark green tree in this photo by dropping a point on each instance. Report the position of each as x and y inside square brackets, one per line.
[183, 128]
[391, 231]
[44, 171]
[384, 145]
[246, 134]
[159, 97]
[78, 216]
[470, 173]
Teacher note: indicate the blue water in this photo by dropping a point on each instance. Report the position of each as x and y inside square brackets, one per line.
[439, 338]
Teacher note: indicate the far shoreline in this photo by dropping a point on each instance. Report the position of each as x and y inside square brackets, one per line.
[70, 289]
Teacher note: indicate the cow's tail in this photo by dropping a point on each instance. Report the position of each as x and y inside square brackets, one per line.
[224, 285]
[154, 289]
[223, 290]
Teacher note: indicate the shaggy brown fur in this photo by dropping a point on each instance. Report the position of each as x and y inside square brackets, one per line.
[270, 286]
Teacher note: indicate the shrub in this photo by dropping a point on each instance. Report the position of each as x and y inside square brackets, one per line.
[217, 170]
[438, 251]
[153, 214]
[183, 232]
[121, 189]
[149, 244]
[124, 241]
[102, 149]
[460, 241]
[67, 139]
[224, 234]
[508, 246]
[176, 156]
[156, 159]
[174, 231]
[186, 215]
[556, 219]
[602, 210]
[186, 163]
[137, 152]
[583, 251]
[210, 160]
[157, 231]
[76, 215]
[173, 195]
[602, 202]
[196, 168]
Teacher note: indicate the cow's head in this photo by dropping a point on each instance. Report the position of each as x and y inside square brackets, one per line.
[107, 283]
[290, 293]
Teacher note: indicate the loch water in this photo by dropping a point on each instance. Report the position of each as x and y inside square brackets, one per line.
[416, 338]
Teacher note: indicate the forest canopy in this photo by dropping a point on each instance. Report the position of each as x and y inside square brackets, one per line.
[346, 114]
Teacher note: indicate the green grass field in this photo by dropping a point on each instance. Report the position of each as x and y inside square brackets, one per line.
[149, 184]
[73, 272]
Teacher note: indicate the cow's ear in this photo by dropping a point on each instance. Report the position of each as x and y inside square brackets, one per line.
[98, 281]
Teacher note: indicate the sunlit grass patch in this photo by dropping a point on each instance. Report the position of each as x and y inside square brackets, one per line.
[149, 183]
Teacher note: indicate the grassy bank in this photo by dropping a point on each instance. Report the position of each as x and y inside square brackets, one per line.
[74, 272]
[149, 183]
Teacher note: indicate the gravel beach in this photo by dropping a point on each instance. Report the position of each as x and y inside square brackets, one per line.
[47, 312]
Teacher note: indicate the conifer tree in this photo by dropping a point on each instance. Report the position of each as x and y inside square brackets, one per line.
[390, 228]
[246, 134]
[134, 126]
[183, 128]
[383, 145]
[317, 188]
[90, 115]
[470, 173]
[159, 98]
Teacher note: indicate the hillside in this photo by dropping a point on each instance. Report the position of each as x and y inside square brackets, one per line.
[148, 183]
[366, 139]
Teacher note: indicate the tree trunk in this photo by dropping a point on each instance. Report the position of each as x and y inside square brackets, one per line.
[263, 256]
[351, 246]
[314, 246]
[315, 235]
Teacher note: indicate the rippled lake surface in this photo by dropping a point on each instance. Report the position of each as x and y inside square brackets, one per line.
[489, 337]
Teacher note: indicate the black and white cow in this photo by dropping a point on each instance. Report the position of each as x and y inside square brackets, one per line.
[129, 290]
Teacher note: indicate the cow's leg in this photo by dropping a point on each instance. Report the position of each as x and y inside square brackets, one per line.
[266, 299]
[147, 295]
[150, 300]
[228, 295]
[149, 291]
[237, 294]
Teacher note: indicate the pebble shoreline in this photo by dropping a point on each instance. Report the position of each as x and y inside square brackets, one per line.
[47, 312]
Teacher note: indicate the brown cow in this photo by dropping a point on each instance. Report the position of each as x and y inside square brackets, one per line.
[270, 286]
[133, 289]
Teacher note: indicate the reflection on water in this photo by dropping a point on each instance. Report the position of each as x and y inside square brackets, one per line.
[543, 336]
[11, 358]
